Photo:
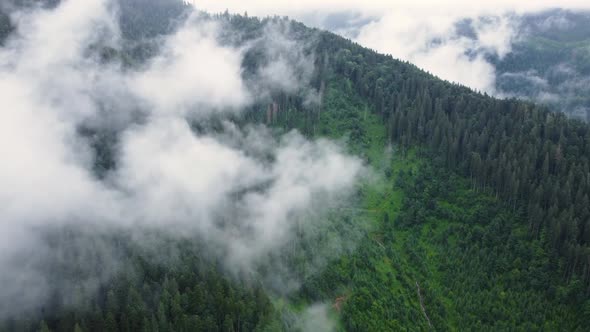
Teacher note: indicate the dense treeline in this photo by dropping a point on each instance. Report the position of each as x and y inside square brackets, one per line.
[476, 270]
[471, 254]
[161, 285]
[143, 19]
[536, 160]
[489, 266]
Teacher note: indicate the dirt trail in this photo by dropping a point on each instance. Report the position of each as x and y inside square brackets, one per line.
[339, 302]
[422, 304]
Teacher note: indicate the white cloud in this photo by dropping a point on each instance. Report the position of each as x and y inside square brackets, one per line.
[432, 43]
[406, 29]
[284, 7]
[375, 7]
[214, 185]
[316, 318]
[45, 88]
[193, 71]
[44, 97]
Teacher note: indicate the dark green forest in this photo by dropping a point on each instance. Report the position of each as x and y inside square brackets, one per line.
[479, 219]
[186, 293]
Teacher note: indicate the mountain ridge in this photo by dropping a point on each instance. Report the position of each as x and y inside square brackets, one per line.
[474, 204]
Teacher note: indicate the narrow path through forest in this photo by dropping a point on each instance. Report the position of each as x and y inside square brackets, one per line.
[422, 304]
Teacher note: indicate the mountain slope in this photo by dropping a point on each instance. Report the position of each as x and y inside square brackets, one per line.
[479, 218]
[533, 161]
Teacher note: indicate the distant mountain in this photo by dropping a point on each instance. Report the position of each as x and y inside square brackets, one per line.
[5, 26]
[550, 62]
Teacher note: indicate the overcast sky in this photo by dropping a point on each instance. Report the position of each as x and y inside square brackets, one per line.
[406, 29]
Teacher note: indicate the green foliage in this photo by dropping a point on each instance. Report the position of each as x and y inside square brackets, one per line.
[186, 293]
[466, 242]
[533, 160]
[480, 213]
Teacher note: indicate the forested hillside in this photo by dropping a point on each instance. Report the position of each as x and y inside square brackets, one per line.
[534, 160]
[185, 293]
[531, 162]
[476, 216]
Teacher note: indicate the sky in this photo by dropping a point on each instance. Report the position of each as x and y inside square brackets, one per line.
[407, 29]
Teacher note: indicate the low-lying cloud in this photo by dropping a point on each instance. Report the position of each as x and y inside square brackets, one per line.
[195, 71]
[423, 32]
[241, 189]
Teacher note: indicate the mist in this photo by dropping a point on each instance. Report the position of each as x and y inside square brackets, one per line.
[429, 34]
[241, 190]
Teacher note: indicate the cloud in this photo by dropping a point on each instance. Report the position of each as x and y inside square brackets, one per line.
[316, 318]
[286, 63]
[46, 86]
[45, 96]
[435, 44]
[559, 22]
[422, 32]
[284, 7]
[560, 86]
[178, 180]
[242, 190]
[195, 71]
